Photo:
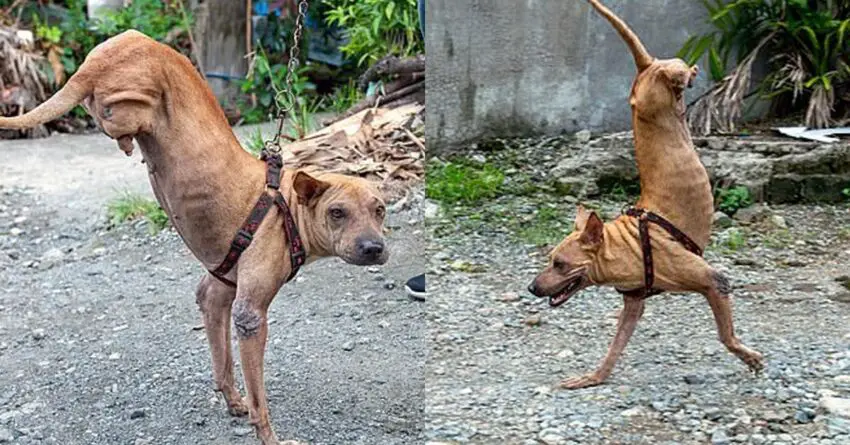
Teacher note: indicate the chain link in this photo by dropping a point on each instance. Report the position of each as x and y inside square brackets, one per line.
[285, 99]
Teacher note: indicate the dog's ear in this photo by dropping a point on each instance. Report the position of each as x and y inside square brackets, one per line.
[592, 232]
[308, 188]
[581, 217]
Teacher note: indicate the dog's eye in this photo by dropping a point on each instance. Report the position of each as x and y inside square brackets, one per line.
[337, 213]
[558, 264]
[381, 211]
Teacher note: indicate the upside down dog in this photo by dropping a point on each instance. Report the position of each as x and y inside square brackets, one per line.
[656, 245]
[211, 189]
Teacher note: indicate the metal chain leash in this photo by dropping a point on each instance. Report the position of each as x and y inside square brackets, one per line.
[285, 99]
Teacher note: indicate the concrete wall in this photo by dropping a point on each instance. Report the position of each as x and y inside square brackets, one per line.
[515, 67]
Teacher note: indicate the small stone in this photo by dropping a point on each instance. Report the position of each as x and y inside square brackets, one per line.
[509, 297]
[38, 334]
[115, 356]
[774, 417]
[138, 414]
[20, 220]
[836, 406]
[242, 431]
[804, 416]
[632, 412]
[583, 136]
[6, 435]
[778, 222]
[723, 220]
[533, 320]
[693, 379]
[348, 346]
[719, 437]
[14, 231]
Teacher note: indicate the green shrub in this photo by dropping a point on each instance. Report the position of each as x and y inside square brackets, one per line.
[155, 18]
[130, 207]
[731, 200]
[452, 183]
[805, 43]
[376, 28]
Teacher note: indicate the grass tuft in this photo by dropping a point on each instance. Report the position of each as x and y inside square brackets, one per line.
[130, 207]
[452, 183]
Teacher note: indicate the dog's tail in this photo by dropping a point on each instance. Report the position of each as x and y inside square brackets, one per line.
[642, 57]
[60, 103]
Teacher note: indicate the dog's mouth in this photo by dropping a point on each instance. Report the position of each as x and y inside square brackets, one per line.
[572, 286]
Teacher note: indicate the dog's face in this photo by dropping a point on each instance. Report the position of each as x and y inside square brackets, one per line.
[569, 269]
[347, 214]
[661, 86]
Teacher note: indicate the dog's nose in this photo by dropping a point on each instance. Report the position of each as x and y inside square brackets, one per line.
[370, 248]
[532, 288]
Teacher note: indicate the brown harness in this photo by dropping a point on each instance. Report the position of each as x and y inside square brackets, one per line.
[245, 235]
[644, 218]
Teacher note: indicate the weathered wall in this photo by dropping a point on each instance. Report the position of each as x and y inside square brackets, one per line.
[516, 67]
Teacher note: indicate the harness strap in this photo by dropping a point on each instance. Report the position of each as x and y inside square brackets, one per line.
[644, 218]
[245, 235]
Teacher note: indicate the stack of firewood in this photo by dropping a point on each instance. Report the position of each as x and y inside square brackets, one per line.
[381, 138]
[402, 82]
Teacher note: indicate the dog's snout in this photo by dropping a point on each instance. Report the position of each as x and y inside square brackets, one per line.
[532, 288]
[370, 248]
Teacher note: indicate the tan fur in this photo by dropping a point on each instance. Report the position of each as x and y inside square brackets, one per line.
[675, 185]
[136, 88]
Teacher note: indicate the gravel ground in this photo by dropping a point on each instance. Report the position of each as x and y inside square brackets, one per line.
[99, 338]
[497, 352]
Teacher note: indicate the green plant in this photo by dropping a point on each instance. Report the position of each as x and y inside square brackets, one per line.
[846, 192]
[452, 183]
[266, 83]
[344, 97]
[733, 199]
[376, 28]
[161, 20]
[255, 143]
[129, 207]
[805, 43]
[734, 240]
[547, 226]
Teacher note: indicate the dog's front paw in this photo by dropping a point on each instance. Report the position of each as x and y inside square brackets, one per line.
[584, 381]
[237, 408]
[754, 360]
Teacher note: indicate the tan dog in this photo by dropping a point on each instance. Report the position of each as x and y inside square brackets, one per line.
[137, 88]
[675, 185]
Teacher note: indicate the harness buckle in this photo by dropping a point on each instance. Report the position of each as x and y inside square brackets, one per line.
[242, 240]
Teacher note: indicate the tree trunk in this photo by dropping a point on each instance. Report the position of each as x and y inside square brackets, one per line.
[221, 39]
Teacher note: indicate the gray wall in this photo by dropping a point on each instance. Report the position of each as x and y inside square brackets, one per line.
[517, 67]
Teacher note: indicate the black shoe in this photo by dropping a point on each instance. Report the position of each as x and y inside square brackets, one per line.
[415, 288]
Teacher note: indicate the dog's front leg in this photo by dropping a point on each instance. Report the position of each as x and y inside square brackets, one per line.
[629, 316]
[250, 318]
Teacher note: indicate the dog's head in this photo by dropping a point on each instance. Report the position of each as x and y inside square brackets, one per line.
[661, 85]
[570, 263]
[346, 214]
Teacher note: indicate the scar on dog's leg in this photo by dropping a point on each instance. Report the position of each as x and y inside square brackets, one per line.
[629, 316]
[214, 299]
[252, 329]
[718, 298]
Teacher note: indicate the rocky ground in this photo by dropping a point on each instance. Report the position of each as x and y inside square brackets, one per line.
[99, 333]
[497, 352]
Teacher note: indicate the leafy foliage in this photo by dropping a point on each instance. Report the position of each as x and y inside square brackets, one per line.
[155, 18]
[806, 44]
[130, 207]
[376, 28]
[731, 200]
[462, 182]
